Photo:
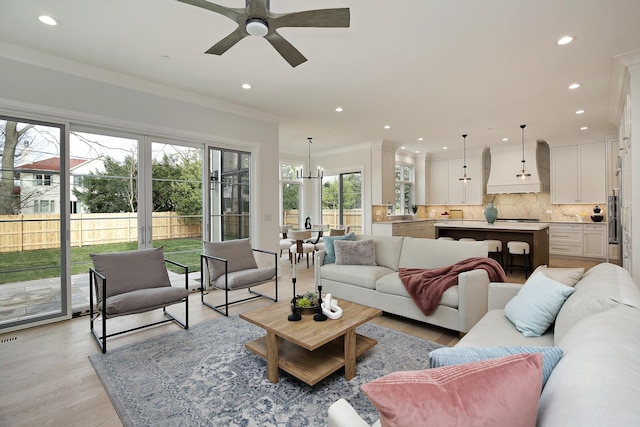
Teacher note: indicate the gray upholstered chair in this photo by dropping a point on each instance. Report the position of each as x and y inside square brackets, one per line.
[133, 282]
[231, 265]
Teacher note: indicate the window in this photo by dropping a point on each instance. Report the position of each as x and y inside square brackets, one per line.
[43, 179]
[290, 194]
[404, 188]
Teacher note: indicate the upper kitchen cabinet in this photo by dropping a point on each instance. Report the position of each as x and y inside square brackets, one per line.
[445, 187]
[383, 180]
[578, 174]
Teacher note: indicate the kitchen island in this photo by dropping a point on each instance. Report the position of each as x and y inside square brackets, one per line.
[536, 234]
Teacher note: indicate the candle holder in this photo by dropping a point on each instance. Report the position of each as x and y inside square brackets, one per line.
[294, 316]
[319, 316]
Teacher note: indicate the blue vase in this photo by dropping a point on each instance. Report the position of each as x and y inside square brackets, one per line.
[491, 213]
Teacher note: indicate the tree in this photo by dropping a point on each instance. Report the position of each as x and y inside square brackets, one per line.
[112, 190]
[12, 142]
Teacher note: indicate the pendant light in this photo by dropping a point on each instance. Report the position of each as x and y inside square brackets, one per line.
[465, 179]
[523, 174]
[300, 172]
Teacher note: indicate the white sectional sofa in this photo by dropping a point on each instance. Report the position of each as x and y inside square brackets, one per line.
[380, 287]
[597, 380]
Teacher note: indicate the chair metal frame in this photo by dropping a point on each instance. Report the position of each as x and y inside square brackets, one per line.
[227, 303]
[95, 276]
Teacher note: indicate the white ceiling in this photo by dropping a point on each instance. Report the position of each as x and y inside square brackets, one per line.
[428, 68]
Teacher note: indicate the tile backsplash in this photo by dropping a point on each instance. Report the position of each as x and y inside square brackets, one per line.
[529, 205]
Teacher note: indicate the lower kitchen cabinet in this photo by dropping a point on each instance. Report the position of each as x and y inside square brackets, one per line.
[421, 229]
[578, 240]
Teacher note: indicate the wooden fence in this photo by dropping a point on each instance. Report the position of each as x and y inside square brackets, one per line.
[42, 231]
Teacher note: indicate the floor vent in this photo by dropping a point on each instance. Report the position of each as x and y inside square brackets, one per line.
[8, 340]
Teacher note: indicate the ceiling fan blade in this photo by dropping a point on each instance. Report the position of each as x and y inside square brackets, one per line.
[285, 49]
[236, 15]
[322, 18]
[226, 43]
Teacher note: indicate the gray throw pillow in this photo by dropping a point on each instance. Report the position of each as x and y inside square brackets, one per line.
[132, 270]
[361, 252]
[238, 253]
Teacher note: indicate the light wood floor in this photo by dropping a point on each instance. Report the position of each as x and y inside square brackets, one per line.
[46, 378]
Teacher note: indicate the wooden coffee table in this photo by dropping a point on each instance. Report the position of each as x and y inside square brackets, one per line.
[310, 350]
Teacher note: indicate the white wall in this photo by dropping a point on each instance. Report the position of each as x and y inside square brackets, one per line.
[34, 91]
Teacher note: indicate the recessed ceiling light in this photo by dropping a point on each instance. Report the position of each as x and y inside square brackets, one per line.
[246, 86]
[584, 128]
[48, 20]
[445, 148]
[339, 109]
[417, 151]
[574, 85]
[421, 139]
[403, 147]
[564, 40]
[387, 127]
[505, 139]
[580, 112]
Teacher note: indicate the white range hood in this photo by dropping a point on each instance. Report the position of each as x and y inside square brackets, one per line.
[506, 161]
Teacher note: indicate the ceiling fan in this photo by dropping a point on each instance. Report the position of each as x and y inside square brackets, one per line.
[257, 20]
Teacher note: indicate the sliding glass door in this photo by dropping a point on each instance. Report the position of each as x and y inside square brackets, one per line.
[33, 223]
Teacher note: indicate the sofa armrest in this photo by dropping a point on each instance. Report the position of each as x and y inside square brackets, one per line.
[319, 260]
[473, 288]
[341, 414]
[501, 293]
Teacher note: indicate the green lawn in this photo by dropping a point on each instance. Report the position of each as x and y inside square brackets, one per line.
[45, 263]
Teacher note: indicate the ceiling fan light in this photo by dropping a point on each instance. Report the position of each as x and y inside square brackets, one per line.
[257, 27]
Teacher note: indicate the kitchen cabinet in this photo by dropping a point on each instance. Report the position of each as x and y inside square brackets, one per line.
[421, 229]
[384, 180]
[578, 240]
[578, 174]
[445, 187]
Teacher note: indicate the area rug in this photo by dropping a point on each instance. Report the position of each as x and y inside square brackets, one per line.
[205, 377]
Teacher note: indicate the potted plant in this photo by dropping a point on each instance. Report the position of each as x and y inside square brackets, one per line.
[307, 303]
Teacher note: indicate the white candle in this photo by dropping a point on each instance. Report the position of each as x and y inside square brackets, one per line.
[293, 269]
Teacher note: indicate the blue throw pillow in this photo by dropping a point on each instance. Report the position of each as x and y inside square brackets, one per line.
[330, 252]
[537, 304]
[458, 355]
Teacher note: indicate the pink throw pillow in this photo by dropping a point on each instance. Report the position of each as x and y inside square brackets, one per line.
[496, 392]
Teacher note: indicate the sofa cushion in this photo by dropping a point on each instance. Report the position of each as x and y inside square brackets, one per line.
[566, 276]
[495, 392]
[457, 355]
[495, 329]
[537, 304]
[238, 254]
[387, 249]
[131, 270]
[329, 250]
[432, 253]
[603, 287]
[597, 381]
[391, 284]
[364, 276]
[362, 252]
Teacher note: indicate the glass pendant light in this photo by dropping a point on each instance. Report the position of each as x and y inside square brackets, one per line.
[465, 179]
[523, 174]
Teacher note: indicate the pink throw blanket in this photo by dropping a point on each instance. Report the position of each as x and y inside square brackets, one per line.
[426, 286]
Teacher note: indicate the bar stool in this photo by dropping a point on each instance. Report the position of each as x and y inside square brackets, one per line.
[495, 250]
[515, 248]
[466, 239]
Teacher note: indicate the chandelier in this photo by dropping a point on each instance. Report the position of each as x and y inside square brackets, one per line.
[465, 179]
[300, 172]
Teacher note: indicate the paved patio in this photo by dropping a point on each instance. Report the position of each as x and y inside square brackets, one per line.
[38, 297]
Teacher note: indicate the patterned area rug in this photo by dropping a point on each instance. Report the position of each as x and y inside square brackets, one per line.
[205, 377]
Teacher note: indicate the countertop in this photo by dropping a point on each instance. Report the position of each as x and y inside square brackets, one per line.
[520, 226]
